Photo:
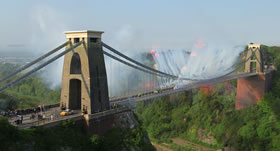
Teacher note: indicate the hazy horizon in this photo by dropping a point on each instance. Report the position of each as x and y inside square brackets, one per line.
[137, 26]
[39, 26]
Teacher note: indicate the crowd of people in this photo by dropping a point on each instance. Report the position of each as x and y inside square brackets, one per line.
[17, 115]
[18, 112]
[38, 113]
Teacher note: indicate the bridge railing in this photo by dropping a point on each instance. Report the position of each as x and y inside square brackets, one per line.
[109, 112]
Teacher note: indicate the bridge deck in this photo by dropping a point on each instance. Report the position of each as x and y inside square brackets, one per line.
[185, 88]
[28, 122]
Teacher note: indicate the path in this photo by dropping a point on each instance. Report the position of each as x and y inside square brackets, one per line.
[191, 145]
[161, 148]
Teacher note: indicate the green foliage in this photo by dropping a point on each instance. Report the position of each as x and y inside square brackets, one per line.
[252, 128]
[8, 135]
[66, 136]
[30, 92]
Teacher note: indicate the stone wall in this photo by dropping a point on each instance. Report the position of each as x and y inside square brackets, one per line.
[250, 90]
[100, 126]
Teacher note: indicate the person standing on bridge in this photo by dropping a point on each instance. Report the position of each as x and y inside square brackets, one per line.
[20, 119]
[43, 108]
[83, 110]
[32, 116]
[62, 107]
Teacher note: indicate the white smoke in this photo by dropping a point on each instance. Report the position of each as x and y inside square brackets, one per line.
[123, 38]
[47, 33]
[205, 62]
[117, 73]
[202, 61]
[124, 80]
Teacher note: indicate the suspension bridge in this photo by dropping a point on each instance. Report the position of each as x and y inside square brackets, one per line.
[85, 81]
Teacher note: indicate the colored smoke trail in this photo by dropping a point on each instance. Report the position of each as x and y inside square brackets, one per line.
[198, 63]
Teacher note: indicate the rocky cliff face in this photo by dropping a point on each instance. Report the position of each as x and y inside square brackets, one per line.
[125, 120]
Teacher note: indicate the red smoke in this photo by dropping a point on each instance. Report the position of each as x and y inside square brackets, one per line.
[149, 84]
[199, 44]
[193, 54]
[154, 53]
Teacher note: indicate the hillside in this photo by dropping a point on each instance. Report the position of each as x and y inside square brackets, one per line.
[210, 119]
[30, 92]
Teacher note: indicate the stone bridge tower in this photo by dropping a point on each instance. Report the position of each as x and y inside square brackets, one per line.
[250, 90]
[255, 62]
[84, 79]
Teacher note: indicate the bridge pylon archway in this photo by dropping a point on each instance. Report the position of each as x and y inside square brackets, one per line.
[255, 62]
[84, 79]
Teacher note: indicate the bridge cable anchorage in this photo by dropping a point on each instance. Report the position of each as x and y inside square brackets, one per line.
[146, 67]
[40, 66]
[33, 62]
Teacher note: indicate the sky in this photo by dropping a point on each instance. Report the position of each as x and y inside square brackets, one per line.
[37, 26]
